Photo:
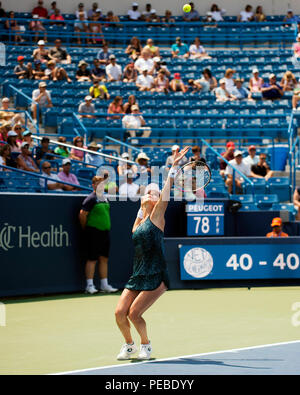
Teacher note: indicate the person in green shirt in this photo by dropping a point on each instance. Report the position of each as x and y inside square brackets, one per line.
[94, 218]
[61, 150]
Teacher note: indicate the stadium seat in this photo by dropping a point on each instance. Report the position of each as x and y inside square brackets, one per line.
[265, 201]
[281, 187]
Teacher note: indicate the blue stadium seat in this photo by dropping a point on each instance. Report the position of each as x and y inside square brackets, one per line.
[265, 201]
[243, 198]
[281, 187]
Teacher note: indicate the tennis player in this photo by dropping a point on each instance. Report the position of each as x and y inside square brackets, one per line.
[150, 277]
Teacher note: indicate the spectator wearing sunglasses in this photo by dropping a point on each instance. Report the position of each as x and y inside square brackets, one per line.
[25, 161]
[75, 153]
[52, 184]
[261, 169]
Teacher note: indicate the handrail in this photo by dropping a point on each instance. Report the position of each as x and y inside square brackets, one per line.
[122, 143]
[80, 123]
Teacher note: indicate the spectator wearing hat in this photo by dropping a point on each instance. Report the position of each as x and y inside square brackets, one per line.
[99, 91]
[145, 81]
[81, 26]
[28, 139]
[177, 85]
[170, 159]
[145, 61]
[247, 15]
[135, 121]
[236, 164]
[83, 73]
[221, 92]
[41, 53]
[228, 155]
[40, 10]
[9, 116]
[130, 74]
[116, 107]
[61, 150]
[252, 158]
[142, 161]
[255, 82]
[97, 72]
[36, 25]
[5, 127]
[59, 54]
[92, 159]
[129, 188]
[124, 166]
[262, 169]
[42, 151]
[134, 49]
[113, 70]
[25, 161]
[288, 82]
[56, 73]
[38, 73]
[20, 70]
[276, 226]
[66, 176]
[154, 18]
[271, 90]
[180, 49]
[239, 92]
[134, 14]
[86, 109]
[104, 54]
[197, 51]
[42, 97]
[154, 51]
[12, 141]
[191, 16]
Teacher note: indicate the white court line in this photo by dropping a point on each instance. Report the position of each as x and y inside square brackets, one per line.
[174, 358]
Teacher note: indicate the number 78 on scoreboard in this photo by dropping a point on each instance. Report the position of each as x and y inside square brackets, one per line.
[205, 219]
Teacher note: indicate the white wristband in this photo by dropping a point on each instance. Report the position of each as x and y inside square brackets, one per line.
[140, 214]
[172, 173]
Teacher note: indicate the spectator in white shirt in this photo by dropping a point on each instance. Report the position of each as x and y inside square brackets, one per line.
[215, 14]
[145, 82]
[42, 97]
[135, 121]
[238, 164]
[143, 61]
[252, 158]
[197, 51]
[129, 188]
[113, 70]
[247, 15]
[134, 14]
[53, 184]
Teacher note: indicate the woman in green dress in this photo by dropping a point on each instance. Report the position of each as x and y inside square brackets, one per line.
[150, 277]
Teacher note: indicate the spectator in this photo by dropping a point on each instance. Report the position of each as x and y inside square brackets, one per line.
[221, 92]
[43, 150]
[161, 82]
[12, 24]
[129, 188]
[9, 116]
[60, 149]
[52, 9]
[296, 97]
[87, 108]
[38, 73]
[197, 51]
[42, 97]
[92, 11]
[177, 85]
[134, 14]
[238, 164]
[57, 19]
[81, 27]
[37, 26]
[41, 53]
[113, 70]
[134, 49]
[180, 49]
[52, 185]
[146, 15]
[168, 19]
[296, 202]
[96, 29]
[59, 54]
[144, 61]
[142, 161]
[97, 72]
[99, 91]
[104, 54]
[290, 17]
[196, 150]
[239, 92]
[124, 166]
[4, 129]
[18, 128]
[127, 106]
[154, 51]
[288, 81]
[191, 16]
[112, 19]
[116, 107]
[252, 158]
[92, 159]
[296, 51]
[145, 81]
[25, 161]
[130, 74]
[259, 14]
[255, 82]
[55, 73]
[80, 10]
[216, 15]
[2, 11]
[110, 186]
[195, 85]
[247, 15]
[66, 176]
[20, 70]
[229, 80]
[154, 17]
[40, 10]
[208, 81]
[276, 226]
[160, 65]
[228, 155]
[30, 74]
[5, 153]
[83, 72]
[135, 121]
[261, 169]
[271, 90]
[12, 141]
[170, 159]
[28, 139]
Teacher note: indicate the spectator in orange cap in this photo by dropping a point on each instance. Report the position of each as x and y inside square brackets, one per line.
[177, 84]
[277, 228]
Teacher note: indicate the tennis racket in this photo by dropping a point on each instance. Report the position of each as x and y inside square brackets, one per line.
[192, 177]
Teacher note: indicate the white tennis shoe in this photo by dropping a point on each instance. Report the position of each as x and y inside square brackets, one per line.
[127, 351]
[108, 289]
[90, 289]
[145, 351]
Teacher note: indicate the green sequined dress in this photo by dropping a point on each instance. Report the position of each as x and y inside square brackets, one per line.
[149, 265]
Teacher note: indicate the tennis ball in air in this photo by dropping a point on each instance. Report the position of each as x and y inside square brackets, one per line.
[186, 8]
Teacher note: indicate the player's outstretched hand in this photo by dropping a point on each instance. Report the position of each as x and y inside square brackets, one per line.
[180, 155]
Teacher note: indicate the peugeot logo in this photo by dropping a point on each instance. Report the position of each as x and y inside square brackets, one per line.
[5, 237]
